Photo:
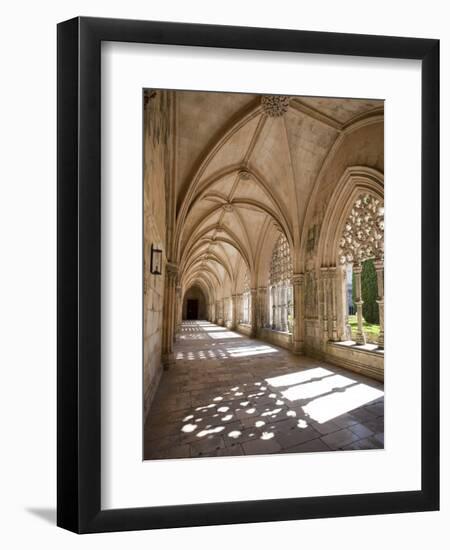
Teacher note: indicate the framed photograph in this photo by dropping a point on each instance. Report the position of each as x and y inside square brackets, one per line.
[248, 259]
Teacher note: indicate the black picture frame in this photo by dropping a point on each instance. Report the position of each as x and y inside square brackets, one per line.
[79, 276]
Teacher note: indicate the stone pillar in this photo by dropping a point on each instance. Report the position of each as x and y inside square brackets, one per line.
[273, 308]
[169, 313]
[262, 295]
[222, 305]
[379, 268]
[278, 307]
[298, 282]
[233, 311]
[253, 314]
[332, 274]
[324, 300]
[179, 309]
[360, 336]
[283, 308]
[217, 312]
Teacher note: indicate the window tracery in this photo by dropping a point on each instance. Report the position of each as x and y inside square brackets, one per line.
[280, 286]
[363, 235]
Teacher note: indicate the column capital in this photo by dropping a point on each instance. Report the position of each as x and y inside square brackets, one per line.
[357, 268]
[298, 278]
[379, 265]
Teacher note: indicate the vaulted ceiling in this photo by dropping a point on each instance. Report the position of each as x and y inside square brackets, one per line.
[246, 167]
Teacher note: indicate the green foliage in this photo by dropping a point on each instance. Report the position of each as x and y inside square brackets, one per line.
[369, 293]
[372, 332]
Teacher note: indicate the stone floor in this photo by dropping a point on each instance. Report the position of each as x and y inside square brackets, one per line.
[229, 395]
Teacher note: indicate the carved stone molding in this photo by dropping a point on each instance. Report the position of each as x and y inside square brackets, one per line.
[275, 105]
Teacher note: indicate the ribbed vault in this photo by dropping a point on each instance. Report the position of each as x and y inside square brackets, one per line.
[246, 172]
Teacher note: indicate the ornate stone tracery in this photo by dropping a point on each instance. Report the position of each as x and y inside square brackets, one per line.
[275, 105]
[363, 235]
[363, 239]
[281, 264]
[280, 284]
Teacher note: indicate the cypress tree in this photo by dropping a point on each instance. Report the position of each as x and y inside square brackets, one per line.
[369, 293]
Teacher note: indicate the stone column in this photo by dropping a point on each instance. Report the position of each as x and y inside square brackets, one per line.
[273, 308]
[217, 312]
[298, 282]
[262, 294]
[283, 308]
[233, 311]
[360, 336]
[278, 307]
[238, 309]
[169, 313]
[324, 300]
[379, 268]
[223, 306]
[179, 309]
[253, 314]
[332, 274]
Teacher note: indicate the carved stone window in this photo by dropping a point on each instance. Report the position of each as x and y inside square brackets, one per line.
[363, 235]
[362, 239]
[280, 286]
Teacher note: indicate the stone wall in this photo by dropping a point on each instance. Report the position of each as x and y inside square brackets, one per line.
[155, 169]
[282, 339]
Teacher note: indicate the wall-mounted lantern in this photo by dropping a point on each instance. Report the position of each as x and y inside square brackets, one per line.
[155, 261]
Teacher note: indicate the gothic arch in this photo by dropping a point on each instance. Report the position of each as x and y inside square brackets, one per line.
[355, 181]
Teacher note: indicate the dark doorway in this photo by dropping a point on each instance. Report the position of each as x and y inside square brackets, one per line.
[192, 309]
[194, 304]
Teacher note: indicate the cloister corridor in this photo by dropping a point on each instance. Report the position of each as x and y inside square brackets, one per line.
[227, 395]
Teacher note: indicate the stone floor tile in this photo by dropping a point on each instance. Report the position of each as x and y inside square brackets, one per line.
[296, 436]
[207, 445]
[379, 437]
[337, 440]
[177, 451]
[326, 427]
[346, 420]
[363, 415]
[376, 409]
[313, 446]
[260, 446]
[362, 444]
[360, 430]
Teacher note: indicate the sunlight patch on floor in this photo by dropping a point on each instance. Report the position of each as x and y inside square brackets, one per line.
[298, 377]
[309, 390]
[332, 405]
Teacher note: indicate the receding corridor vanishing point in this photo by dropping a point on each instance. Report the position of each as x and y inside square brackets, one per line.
[228, 395]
